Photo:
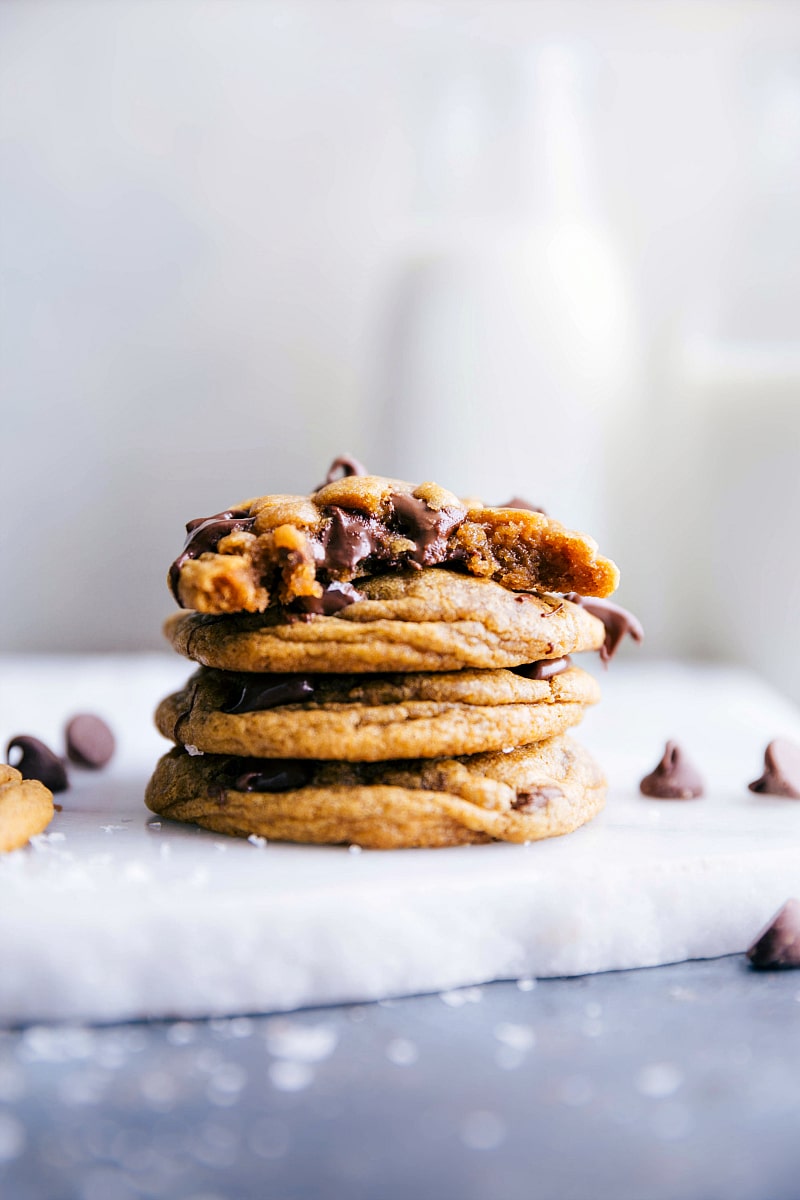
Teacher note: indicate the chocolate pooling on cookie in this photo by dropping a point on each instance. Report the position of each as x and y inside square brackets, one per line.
[204, 534]
[347, 465]
[547, 668]
[618, 622]
[675, 777]
[38, 761]
[778, 944]
[349, 538]
[272, 775]
[334, 598]
[259, 692]
[90, 742]
[428, 528]
[781, 770]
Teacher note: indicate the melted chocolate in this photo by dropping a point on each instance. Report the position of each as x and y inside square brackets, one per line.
[272, 775]
[427, 527]
[347, 465]
[529, 799]
[781, 770]
[675, 777]
[38, 762]
[350, 538]
[618, 622]
[778, 946]
[205, 534]
[547, 668]
[334, 598]
[259, 692]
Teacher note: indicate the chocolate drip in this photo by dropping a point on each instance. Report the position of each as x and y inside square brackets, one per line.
[547, 668]
[618, 622]
[334, 598]
[272, 775]
[259, 692]
[781, 770]
[675, 777]
[347, 465]
[427, 527]
[205, 534]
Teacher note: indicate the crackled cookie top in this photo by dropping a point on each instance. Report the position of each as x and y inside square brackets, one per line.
[307, 551]
[534, 792]
[429, 620]
[372, 718]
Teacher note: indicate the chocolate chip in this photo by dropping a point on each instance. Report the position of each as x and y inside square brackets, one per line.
[259, 692]
[781, 770]
[518, 502]
[546, 669]
[675, 778]
[778, 945]
[38, 762]
[90, 742]
[530, 799]
[350, 538]
[334, 598]
[427, 527]
[618, 622]
[205, 534]
[347, 465]
[272, 775]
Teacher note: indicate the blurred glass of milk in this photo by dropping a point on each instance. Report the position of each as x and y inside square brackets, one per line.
[509, 345]
[736, 428]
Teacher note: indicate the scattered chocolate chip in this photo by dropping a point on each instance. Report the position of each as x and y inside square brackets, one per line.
[618, 622]
[204, 534]
[334, 598]
[427, 527]
[347, 465]
[259, 692]
[518, 502]
[781, 770]
[272, 775]
[529, 799]
[547, 668]
[38, 762]
[675, 778]
[778, 944]
[90, 742]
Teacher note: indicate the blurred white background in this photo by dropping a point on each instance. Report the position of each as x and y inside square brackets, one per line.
[548, 249]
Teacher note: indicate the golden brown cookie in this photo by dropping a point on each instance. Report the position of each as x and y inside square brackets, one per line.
[536, 792]
[372, 718]
[26, 808]
[432, 620]
[292, 548]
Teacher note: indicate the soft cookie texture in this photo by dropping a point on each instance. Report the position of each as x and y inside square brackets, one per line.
[535, 792]
[429, 620]
[26, 808]
[372, 718]
[292, 548]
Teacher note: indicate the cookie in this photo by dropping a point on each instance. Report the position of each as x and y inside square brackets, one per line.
[26, 808]
[535, 792]
[372, 718]
[431, 620]
[291, 549]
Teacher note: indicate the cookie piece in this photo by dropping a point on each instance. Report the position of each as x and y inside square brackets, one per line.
[432, 620]
[536, 792]
[291, 548]
[26, 808]
[372, 718]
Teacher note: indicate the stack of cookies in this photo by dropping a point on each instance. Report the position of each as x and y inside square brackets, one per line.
[384, 665]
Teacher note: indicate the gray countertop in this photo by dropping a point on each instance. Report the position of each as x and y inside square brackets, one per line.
[664, 1084]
